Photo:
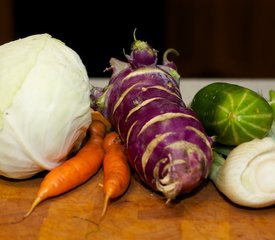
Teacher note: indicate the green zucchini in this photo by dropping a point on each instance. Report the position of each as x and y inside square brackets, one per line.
[231, 113]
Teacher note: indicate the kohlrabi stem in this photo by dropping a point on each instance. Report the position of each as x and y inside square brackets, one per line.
[165, 55]
[134, 34]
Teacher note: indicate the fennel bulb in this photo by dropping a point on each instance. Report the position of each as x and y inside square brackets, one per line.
[44, 104]
[247, 176]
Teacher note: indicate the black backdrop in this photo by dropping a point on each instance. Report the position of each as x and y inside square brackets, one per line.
[96, 30]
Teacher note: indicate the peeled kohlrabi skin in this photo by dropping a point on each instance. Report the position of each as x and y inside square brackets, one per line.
[44, 104]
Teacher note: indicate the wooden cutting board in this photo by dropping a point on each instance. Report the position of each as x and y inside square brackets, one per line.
[138, 214]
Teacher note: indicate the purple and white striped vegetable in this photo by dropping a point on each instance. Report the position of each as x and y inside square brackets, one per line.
[166, 144]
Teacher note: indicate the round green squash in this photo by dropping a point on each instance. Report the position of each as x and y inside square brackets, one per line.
[231, 113]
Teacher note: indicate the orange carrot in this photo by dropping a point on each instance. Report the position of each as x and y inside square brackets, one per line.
[75, 170]
[116, 169]
[98, 116]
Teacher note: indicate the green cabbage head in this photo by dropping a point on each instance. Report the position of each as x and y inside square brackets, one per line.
[44, 104]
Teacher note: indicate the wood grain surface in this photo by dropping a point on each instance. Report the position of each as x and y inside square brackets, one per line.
[138, 214]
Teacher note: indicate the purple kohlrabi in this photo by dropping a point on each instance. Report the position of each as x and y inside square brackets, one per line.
[166, 143]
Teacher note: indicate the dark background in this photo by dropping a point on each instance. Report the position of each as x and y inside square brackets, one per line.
[96, 32]
[215, 38]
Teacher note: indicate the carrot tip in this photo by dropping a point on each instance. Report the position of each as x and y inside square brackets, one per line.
[34, 204]
[106, 201]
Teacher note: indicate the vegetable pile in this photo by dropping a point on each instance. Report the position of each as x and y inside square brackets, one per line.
[52, 118]
[44, 104]
[166, 144]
